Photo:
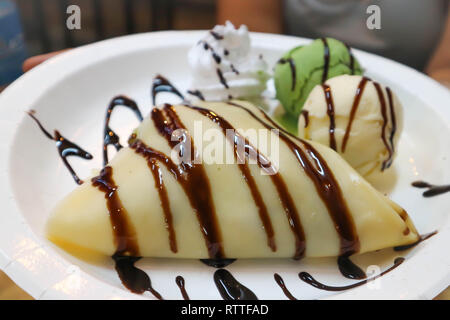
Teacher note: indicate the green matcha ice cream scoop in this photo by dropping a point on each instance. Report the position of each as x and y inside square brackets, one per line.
[304, 67]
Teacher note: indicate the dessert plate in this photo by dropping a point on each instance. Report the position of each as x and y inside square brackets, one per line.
[70, 93]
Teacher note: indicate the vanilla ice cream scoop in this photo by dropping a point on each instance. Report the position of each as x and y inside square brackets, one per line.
[223, 66]
[357, 117]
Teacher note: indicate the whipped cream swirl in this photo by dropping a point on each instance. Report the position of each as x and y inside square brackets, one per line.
[223, 66]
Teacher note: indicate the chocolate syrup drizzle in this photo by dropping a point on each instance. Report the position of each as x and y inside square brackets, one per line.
[161, 84]
[197, 93]
[110, 137]
[305, 114]
[124, 234]
[349, 269]
[217, 263]
[179, 280]
[412, 245]
[355, 105]
[352, 59]
[133, 279]
[65, 147]
[326, 59]
[330, 112]
[356, 102]
[250, 152]
[324, 181]
[231, 289]
[433, 190]
[279, 280]
[306, 277]
[293, 70]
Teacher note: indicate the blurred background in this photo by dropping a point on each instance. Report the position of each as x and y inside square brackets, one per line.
[414, 32]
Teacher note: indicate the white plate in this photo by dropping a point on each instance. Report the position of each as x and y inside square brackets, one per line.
[71, 92]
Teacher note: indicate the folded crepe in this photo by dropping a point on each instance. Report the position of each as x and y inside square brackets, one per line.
[294, 199]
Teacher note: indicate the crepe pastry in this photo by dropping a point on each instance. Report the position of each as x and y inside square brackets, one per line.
[304, 202]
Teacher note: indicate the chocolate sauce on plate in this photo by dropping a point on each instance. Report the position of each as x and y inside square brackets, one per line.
[66, 148]
[279, 280]
[110, 137]
[433, 190]
[197, 94]
[349, 269]
[231, 289]
[181, 284]
[218, 263]
[306, 277]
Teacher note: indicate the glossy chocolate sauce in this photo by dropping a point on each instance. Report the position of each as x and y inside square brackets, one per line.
[394, 124]
[330, 112]
[349, 269]
[110, 137]
[197, 93]
[326, 59]
[217, 263]
[161, 84]
[124, 234]
[433, 190]
[163, 197]
[285, 197]
[324, 181]
[216, 35]
[230, 289]
[293, 70]
[133, 279]
[222, 79]
[384, 114]
[352, 60]
[179, 280]
[306, 277]
[412, 245]
[214, 54]
[279, 280]
[305, 115]
[65, 147]
[191, 176]
[355, 105]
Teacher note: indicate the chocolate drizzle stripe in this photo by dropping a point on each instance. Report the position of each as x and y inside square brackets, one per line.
[110, 137]
[231, 289]
[352, 59]
[162, 192]
[250, 152]
[355, 105]
[350, 270]
[326, 59]
[179, 280]
[382, 101]
[433, 190]
[124, 233]
[330, 111]
[161, 84]
[216, 35]
[394, 126]
[279, 280]
[65, 148]
[222, 79]
[325, 184]
[195, 178]
[197, 93]
[293, 70]
[134, 279]
[306, 277]
[305, 114]
[412, 245]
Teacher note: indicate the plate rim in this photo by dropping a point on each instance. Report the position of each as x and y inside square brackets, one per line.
[28, 246]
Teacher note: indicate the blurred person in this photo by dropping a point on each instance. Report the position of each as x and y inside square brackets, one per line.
[409, 29]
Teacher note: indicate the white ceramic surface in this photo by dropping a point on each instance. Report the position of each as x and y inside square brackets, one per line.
[70, 93]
